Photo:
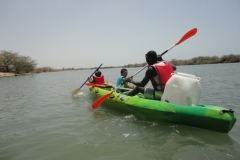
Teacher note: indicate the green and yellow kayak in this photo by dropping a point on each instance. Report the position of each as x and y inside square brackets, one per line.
[209, 117]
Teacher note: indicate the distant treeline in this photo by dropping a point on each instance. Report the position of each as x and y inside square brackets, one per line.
[208, 60]
[197, 60]
[194, 61]
[14, 62]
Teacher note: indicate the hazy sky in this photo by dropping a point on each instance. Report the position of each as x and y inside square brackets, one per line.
[86, 33]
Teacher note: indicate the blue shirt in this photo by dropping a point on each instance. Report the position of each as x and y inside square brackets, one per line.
[119, 81]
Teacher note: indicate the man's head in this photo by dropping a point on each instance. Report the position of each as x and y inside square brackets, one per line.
[124, 72]
[151, 57]
[98, 73]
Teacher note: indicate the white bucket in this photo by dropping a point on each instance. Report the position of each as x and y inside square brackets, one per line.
[183, 89]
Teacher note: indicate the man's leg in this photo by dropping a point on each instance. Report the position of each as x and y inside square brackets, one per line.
[135, 91]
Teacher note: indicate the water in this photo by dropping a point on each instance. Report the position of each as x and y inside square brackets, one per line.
[39, 119]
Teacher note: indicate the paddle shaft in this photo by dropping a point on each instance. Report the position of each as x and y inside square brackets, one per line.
[168, 49]
[139, 70]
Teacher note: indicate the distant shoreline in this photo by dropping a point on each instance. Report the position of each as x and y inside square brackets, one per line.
[9, 74]
[3, 74]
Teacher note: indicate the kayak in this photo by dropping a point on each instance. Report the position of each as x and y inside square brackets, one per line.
[210, 117]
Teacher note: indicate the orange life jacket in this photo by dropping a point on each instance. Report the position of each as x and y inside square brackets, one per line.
[99, 80]
[164, 71]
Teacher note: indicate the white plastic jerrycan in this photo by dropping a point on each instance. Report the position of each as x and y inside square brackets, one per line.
[183, 89]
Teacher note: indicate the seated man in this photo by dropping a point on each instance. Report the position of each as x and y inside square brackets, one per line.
[158, 73]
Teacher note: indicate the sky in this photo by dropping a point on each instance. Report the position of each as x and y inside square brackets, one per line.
[86, 33]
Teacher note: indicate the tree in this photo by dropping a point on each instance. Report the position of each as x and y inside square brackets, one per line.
[7, 58]
[23, 64]
[174, 62]
[13, 61]
[47, 69]
[1, 64]
[229, 58]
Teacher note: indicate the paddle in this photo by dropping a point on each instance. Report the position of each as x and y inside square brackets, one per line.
[100, 100]
[78, 89]
[187, 35]
[108, 83]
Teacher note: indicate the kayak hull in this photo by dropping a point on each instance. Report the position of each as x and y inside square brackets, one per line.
[209, 117]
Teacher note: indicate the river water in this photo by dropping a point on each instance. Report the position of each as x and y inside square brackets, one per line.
[40, 120]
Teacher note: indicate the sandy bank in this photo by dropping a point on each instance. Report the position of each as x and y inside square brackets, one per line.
[2, 74]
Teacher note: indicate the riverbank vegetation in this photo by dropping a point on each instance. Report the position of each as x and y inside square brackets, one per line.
[198, 60]
[18, 64]
[208, 60]
[13, 62]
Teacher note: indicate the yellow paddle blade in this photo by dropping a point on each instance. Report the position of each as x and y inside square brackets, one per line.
[108, 83]
[76, 91]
